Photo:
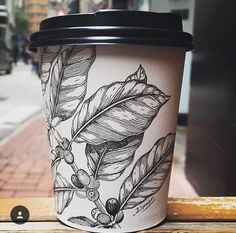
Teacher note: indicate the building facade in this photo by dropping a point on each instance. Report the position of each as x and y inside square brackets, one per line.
[36, 10]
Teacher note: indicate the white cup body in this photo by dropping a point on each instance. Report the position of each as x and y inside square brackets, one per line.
[117, 107]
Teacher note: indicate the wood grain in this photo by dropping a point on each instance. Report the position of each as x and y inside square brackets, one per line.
[179, 209]
[41, 209]
[202, 214]
[167, 227]
[202, 209]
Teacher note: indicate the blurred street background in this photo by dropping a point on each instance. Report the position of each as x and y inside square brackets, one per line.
[20, 98]
[204, 152]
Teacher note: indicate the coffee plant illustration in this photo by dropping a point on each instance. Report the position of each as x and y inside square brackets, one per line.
[112, 123]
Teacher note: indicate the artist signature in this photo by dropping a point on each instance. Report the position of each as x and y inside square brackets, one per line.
[143, 207]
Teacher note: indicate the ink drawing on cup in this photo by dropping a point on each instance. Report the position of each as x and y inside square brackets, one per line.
[111, 123]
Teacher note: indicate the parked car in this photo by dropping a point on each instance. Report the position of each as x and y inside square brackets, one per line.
[5, 58]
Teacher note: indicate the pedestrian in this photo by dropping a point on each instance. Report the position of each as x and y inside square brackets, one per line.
[26, 55]
[15, 53]
[34, 62]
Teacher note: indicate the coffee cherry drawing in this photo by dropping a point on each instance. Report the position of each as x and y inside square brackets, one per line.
[93, 183]
[92, 194]
[59, 151]
[95, 213]
[68, 157]
[83, 177]
[66, 143]
[119, 216]
[103, 218]
[112, 206]
[76, 182]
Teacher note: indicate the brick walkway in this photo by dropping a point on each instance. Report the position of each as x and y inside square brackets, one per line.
[24, 162]
[25, 169]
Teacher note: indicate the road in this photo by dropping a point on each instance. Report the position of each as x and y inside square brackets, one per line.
[20, 98]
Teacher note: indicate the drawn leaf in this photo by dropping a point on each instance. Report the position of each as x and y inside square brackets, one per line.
[53, 136]
[148, 174]
[56, 121]
[64, 192]
[140, 75]
[47, 60]
[47, 113]
[83, 221]
[109, 160]
[54, 166]
[117, 111]
[69, 80]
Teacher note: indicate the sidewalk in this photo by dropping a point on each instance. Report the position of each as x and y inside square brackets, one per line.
[20, 98]
[25, 169]
[24, 162]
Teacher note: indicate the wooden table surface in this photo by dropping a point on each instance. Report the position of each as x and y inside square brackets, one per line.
[201, 214]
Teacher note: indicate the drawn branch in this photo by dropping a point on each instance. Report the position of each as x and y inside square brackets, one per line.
[62, 150]
[112, 123]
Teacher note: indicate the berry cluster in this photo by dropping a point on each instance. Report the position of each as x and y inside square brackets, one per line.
[113, 213]
[108, 216]
[87, 187]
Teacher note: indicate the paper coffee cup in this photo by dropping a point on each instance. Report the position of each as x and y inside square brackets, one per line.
[111, 85]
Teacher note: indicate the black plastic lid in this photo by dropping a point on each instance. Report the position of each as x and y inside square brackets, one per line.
[113, 27]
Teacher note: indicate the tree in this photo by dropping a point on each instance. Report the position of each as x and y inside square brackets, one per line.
[22, 22]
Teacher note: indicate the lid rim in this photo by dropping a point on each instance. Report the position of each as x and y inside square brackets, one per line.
[113, 41]
[113, 27]
[118, 32]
